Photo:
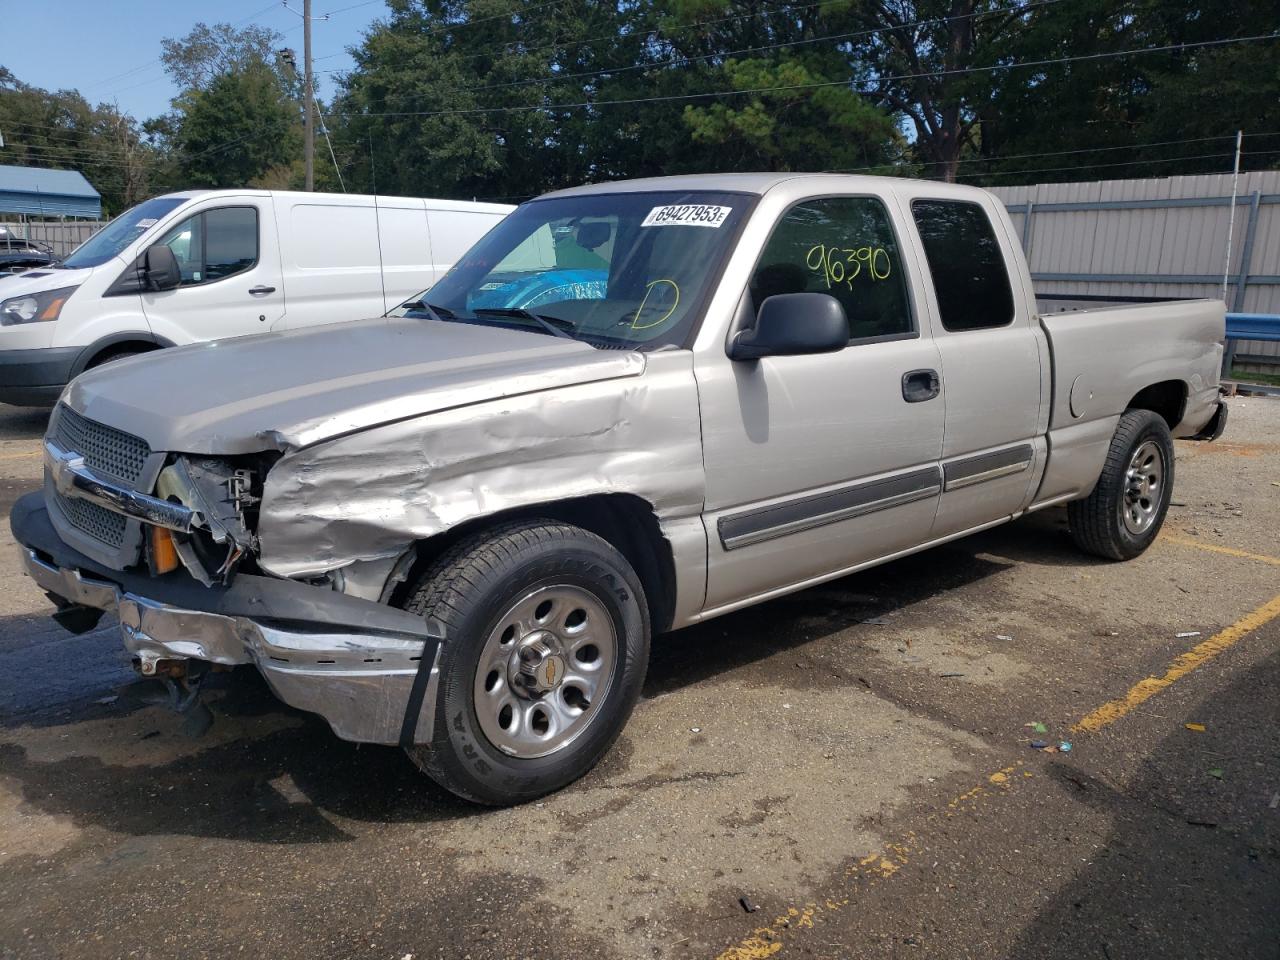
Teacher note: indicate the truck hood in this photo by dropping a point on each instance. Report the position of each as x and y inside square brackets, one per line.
[282, 391]
[39, 279]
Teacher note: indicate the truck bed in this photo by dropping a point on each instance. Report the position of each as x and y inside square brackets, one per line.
[1103, 357]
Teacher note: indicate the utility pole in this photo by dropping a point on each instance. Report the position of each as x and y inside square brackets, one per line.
[1231, 220]
[309, 129]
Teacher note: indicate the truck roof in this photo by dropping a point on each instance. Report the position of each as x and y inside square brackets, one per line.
[757, 183]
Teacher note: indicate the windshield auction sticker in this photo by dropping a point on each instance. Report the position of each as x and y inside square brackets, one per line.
[687, 215]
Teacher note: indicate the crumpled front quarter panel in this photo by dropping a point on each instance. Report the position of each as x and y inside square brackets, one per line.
[371, 494]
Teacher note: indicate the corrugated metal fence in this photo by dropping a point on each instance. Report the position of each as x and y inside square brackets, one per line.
[62, 236]
[1156, 238]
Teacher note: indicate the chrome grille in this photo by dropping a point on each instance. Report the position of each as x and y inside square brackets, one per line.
[105, 449]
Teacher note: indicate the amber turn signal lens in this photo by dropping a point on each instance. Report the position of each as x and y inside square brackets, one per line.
[164, 554]
[53, 309]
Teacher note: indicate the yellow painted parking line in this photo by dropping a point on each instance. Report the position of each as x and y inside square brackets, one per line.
[1184, 541]
[1201, 653]
[874, 868]
[767, 941]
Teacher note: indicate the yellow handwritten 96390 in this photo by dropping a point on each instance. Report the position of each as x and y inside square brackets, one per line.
[843, 265]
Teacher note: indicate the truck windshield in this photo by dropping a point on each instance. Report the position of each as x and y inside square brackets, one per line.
[612, 269]
[119, 233]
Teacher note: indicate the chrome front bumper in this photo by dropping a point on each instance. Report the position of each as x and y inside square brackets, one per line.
[370, 687]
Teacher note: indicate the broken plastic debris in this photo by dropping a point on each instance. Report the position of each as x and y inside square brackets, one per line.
[695, 729]
[1216, 773]
[1064, 746]
[1187, 633]
[1039, 744]
[1197, 727]
[947, 676]
[1038, 727]
[1003, 636]
[747, 905]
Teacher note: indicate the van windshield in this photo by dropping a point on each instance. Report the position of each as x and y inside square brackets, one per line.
[615, 270]
[119, 233]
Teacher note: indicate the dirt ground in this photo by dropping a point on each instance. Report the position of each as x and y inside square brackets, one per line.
[843, 773]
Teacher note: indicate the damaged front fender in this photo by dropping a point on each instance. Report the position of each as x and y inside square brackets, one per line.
[371, 495]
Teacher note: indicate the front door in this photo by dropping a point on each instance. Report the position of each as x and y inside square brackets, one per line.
[815, 464]
[231, 281]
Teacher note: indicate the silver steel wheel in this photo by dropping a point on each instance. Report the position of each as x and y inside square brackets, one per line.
[1143, 488]
[545, 671]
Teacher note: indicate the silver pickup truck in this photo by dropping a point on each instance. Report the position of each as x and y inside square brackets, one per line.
[629, 408]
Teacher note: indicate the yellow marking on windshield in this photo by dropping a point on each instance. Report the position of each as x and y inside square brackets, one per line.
[648, 290]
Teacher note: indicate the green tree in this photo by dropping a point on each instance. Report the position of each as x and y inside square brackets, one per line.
[1093, 118]
[239, 130]
[237, 119]
[60, 129]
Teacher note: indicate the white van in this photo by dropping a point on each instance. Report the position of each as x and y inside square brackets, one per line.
[207, 264]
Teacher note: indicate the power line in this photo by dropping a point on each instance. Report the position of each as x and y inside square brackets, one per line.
[1060, 153]
[781, 8]
[682, 61]
[959, 71]
[1119, 163]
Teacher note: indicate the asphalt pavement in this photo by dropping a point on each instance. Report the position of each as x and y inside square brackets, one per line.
[847, 772]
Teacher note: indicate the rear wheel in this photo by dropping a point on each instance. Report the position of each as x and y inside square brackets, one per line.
[547, 642]
[1124, 513]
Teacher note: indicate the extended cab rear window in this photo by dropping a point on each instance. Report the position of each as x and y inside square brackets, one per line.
[969, 275]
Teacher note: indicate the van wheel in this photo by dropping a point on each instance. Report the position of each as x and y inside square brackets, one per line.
[112, 356]
[1124, 513]
[546, 647]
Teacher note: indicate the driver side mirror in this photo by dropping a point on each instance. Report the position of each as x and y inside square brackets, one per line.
[160, 267]
[793, 323]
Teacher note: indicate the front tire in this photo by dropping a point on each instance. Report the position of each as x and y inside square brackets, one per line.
[546, 647]
[1124, 513]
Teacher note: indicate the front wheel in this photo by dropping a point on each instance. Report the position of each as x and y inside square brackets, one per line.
[546, 646]
[1126, 509]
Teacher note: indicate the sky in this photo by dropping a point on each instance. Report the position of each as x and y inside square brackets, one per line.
[109, 50]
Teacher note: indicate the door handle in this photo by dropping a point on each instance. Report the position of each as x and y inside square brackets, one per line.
[920, 385]
[261, 291]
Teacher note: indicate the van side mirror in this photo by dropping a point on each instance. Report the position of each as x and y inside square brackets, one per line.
[793, 323]
[160, 267]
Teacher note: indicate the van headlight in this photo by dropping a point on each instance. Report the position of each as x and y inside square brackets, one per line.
[34, 307]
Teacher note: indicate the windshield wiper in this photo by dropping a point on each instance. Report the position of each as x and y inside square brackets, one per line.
[433, 312]
[547, 323]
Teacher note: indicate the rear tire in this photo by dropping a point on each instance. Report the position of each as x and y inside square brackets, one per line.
[546, 647]
[111, 357]
[1124, 513]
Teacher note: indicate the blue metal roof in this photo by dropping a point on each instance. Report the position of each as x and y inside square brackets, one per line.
[50, 193]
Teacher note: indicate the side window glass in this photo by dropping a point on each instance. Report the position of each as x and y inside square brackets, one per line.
[845, 247]
[186, 240]
[969, 275]
[230, 241]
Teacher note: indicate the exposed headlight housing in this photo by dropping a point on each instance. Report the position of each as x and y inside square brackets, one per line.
[34, 307]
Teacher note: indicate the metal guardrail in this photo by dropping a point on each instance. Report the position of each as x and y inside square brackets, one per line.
[1248, 326]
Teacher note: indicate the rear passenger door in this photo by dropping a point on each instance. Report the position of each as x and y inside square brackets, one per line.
[406, 249]
[991, 363]
[332, 264]
[817, 463]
